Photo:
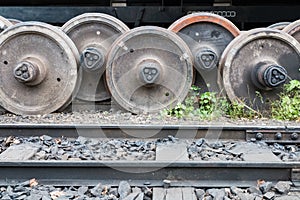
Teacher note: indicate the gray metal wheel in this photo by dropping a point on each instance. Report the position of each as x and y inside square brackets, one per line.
[257, 64]
[149, 69]
[38, 68]
[93, 34]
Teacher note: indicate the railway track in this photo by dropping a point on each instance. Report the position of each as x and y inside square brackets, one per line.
[170, 175]
[171, 160]
[174, 169]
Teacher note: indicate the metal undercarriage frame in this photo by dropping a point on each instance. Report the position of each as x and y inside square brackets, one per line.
[244, 17]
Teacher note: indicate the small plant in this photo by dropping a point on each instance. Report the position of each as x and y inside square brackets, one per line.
[209, 105]
[186, 108]
[235, 110]
[240, 110]
[288, 105]
[205, 105]
[177, 112]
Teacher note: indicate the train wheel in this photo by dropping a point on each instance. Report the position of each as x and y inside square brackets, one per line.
[93, 34]
[4, 23]
[207, 35]
[148, 69]
[38, 68]
[279, 26]
[257, 64]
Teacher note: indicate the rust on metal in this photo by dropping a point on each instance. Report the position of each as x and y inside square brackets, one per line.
[204, 17]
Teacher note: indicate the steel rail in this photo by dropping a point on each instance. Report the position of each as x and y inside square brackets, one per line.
[151, 173]
[213, 131]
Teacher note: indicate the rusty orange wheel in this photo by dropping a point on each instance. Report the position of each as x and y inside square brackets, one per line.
[207, 35]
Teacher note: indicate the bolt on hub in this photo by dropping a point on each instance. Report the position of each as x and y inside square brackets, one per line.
[92, 59]
[149, 71]
[206, 59]
[25, 72]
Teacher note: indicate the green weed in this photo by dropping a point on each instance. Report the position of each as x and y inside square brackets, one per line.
[288, 105]
[209, 105]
